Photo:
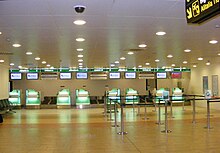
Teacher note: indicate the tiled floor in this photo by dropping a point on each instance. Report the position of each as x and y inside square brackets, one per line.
[88, 130]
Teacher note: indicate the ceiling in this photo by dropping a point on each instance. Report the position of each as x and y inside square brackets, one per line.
[113, 27]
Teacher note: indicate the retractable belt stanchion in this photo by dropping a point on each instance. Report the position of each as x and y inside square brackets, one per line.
[105, 106]
[171, 109]
[115, 112]
[145, 112]
[159, 114]
[194, 111]
[208, 116]
[122, 132]
[110, 110]
[166, 119]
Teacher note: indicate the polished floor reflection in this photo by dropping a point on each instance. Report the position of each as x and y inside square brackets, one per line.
[89, 130]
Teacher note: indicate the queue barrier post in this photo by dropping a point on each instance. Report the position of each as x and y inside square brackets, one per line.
[122, 132]
[166, 119]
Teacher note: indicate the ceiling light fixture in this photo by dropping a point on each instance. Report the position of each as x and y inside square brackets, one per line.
[16, 45]
[160, 33]
[43, 62]
[208, 63]
[187, 50]
[37, 58]
[12, 64]
[213, 41]
[80, 63]
[147, 63]
[130, 53]
[170, 56]
[139, 66]
[48, 65]
[20, 67]
[122, 58]
[80, 56]
[173, 65]
[116, 62]
[194, 65]
[185, 62]
[200, 59]
[157, 60]
[80, 39]
[28, 53]
[79, 49]
[142, 45]
[112, 65]
[0, 33]
[2, 61]
[79, 22]
[80, 60]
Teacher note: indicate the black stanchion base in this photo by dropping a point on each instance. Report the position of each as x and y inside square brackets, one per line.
[166, 131]
[145, 118]
[159, 123]
[115, 125]
[122, 133]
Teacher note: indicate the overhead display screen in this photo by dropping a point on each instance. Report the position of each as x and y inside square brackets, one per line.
[176, 75]
[65, 76]
[130, 75]
[15, 76]
[115, 75]
[32, 76]
[198, 11]
[81, 75]
[161, 75]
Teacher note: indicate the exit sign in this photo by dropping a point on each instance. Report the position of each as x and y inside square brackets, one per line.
[198, 11]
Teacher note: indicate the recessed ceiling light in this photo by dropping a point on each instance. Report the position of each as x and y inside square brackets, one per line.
[208, 63]
[185, 62]
[2, 61]
[80, 63]
[142, 45]
[80, 39]
[112, 65]
[12, 64]
[173, 64]
[139, 66]
[20, 67]
[80, 60]
[157, 60]
[0, 32]
[170, 56]
[80, 66]
[130, 53]
[147, 63]
[16, 45]
[200, 58]
[160, 33]
[122, 58]
[48, 65]
[194, 65]
[80, 55]
[79, 22]
[218, 54]
[28, 53]
[213, 41]
[37, 58]
[43, 62]
[116, 62]
[187, 50]
[79, 49]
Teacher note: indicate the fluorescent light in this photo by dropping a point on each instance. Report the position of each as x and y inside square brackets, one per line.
[116, 62]
[80, 66]
[142, 45]
[218, 54]
[194, 65]
[48, 65]
[2, 61]
[20, 67]
[170, 56]
[208, 63]
[157, 60]
[28, 53]
[139, 66]
[187, 50]
[80, 63]
[213, 41]
[80, 60]
[80, 55]
[79, 49]
[130, 53]
[160, 33]
[37, 58]
[147, 63]
[0, 32]
[185, 62]
[43, 62]
[200, 58]
[79, 22]
[122, 58]
[112, 65]
[12, 64]
[80, 39]
[173, 65]
[16, 45]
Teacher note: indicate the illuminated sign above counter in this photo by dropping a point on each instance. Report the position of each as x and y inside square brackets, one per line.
[198, 11]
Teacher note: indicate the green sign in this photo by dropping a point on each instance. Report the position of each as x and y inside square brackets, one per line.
[198, 11]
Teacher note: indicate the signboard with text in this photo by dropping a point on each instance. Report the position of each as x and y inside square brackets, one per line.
[198, 11]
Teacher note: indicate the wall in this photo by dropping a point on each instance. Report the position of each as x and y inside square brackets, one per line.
[4, 82]
[196, 82]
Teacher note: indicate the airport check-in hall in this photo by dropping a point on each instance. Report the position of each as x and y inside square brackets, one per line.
[111, 76]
